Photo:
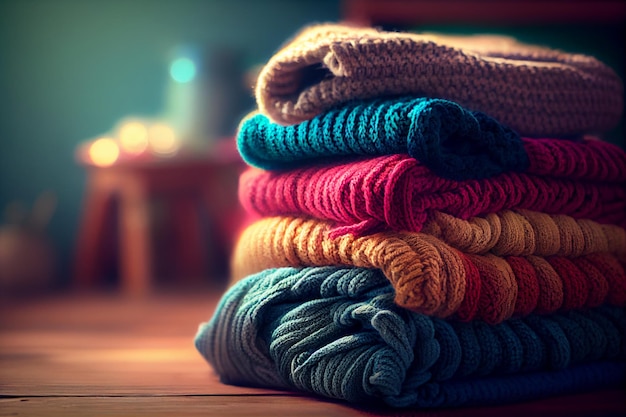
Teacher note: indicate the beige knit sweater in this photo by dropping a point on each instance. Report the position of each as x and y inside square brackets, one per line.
[535, 90]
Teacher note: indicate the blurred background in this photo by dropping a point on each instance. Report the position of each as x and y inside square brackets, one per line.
[117, 161]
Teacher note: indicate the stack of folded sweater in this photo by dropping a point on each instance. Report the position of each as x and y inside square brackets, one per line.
[436, 226]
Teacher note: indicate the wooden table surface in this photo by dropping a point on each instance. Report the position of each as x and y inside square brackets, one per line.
[108, 355]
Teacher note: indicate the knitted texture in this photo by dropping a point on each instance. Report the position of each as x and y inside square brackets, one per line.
[430, 277]
[525, 232]
[589, 159]
[453, 142]
[535, 90]
[337, 333]
[397, 192]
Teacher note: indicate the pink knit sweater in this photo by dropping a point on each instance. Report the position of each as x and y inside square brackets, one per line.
[577, 179]
[589, 159]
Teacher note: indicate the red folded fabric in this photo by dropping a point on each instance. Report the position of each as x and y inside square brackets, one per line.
[469, 307]
[590, 159]
[499, 289]
[516, 286]
[527, 286]
[596, 282]
[613, 271]
[575, 288]
[550, 286]
[397, 192]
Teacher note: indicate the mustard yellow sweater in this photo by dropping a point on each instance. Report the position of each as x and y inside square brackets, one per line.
[503, 265]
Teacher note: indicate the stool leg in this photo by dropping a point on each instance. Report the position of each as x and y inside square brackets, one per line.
[135, 248]
[190, 247]
[96, 207]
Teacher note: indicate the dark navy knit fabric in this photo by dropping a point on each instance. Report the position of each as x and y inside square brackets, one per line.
[336, 332]
[453, 142]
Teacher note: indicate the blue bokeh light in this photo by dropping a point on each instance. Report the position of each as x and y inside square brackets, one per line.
[183, 70]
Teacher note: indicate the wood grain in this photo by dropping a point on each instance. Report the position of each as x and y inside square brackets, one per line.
[107, 345]
[173, 406]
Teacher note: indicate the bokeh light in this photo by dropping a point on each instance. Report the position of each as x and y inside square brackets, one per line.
[163, 139]
[183, 70]
[104, 152]
[133, 137]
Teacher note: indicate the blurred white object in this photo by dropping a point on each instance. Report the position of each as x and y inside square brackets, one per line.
[204, 94]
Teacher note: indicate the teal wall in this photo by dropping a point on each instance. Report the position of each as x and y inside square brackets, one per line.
[70, 69]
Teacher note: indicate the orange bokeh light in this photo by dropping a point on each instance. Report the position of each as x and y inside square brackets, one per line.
[163, 139]
[133, 137]
[104, 152]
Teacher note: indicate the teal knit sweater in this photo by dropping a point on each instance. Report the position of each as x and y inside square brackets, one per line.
[336, 332]
[453, 142]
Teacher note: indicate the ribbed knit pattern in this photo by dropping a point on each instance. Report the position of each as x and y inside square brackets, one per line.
[453, 142]
[337, 333]
[430, 277]
[537, 91]
[397, 192]
[589, 159]
[525, 232]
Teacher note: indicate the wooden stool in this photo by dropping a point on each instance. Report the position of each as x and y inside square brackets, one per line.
[188, 185]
